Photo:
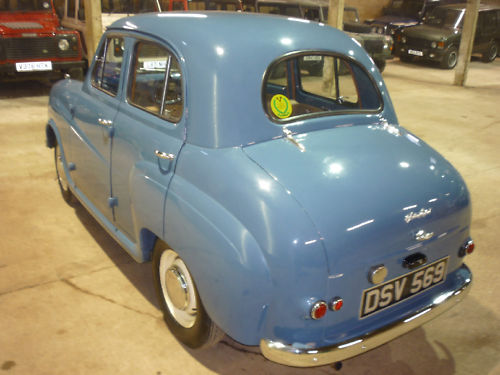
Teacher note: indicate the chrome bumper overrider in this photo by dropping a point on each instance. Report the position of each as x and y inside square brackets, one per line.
[299, 357]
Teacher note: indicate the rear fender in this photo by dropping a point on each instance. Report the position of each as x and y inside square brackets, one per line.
[226, 262]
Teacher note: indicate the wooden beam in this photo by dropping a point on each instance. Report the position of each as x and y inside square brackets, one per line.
[93, 22]
[466, 42]
[336, 14]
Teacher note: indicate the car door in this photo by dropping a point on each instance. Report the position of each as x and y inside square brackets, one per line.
[94, 117]
[149, 133]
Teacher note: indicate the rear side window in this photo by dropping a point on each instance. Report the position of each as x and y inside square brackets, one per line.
[108, 66]
[318, 85]
[156, 82]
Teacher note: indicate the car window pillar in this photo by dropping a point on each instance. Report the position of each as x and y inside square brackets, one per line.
[165, 84]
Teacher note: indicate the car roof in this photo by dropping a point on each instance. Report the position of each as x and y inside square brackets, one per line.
[223, 58]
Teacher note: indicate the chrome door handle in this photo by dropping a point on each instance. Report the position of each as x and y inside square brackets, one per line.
[104, 122]
[164, 155]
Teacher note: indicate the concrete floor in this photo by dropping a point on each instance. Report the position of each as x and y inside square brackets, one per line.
[73, 302]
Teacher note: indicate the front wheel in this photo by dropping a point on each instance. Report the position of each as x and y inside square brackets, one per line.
[405, 58]
[381, 63]
[450, 58]
[180, 302]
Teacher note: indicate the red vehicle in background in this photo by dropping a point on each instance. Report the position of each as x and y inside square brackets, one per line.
[33, 44]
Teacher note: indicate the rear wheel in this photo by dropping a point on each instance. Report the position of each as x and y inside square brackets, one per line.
[491, 53]
[450, 58]
[180, 302]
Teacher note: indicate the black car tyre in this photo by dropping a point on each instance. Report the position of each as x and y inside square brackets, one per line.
[180, 302]
[450, 58]
[405, 58]
[491, 53]
[62, 179]
[381, 63]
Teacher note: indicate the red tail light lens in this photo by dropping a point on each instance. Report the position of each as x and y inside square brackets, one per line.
[319, 310]
[469, 248]
[336, 304]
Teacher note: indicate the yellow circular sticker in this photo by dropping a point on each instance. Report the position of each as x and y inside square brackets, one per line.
[281, 106]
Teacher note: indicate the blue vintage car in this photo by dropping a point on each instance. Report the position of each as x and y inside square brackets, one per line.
[258, 162]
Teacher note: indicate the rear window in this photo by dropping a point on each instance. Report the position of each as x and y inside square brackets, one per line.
[308, 85]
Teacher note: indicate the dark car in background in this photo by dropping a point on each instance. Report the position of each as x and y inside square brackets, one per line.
[438, 38]
[379, 47]
[403, 13]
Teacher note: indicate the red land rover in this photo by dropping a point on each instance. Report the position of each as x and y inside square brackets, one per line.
[33, 43]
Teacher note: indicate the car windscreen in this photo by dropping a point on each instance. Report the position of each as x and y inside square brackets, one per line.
[405, 8]
[443, 17]
[25, 6]
[316, 84]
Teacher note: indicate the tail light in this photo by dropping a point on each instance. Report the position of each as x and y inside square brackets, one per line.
[467, 248]
[336, 304]
[319, 310]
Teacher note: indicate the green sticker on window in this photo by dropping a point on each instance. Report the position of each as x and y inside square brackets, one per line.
[281, 106]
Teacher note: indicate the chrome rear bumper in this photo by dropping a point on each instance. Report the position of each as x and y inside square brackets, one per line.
[299, 357]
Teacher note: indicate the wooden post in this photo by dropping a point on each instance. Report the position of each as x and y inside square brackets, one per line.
[335, 19]
[93, 22]
[466, 42]
[336, 14]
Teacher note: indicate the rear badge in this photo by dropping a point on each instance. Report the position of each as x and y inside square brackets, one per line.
[417, 215]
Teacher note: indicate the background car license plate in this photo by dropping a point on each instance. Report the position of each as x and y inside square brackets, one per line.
[403, 287]
[35, 66]
[416, 53]
[312, 58]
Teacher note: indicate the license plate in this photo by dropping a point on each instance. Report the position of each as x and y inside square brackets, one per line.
[416, 53]
[35, 66]
[396, 290]
[312, 58]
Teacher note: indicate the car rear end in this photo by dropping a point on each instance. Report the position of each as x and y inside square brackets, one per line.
[393, 219]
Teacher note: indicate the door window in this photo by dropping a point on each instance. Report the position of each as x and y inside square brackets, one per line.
[71, 8]
[81, 10]
[108, 65]
[156, 82]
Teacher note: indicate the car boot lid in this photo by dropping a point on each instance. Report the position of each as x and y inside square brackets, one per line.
[367, 188]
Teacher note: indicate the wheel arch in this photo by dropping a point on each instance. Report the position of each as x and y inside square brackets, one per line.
[50, 134]
[148, 241]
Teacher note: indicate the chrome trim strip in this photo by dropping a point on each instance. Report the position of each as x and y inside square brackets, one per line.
[290, 355]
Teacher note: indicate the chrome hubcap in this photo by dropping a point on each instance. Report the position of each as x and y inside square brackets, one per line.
[452, 59]
[493, 52]
[178, 289]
